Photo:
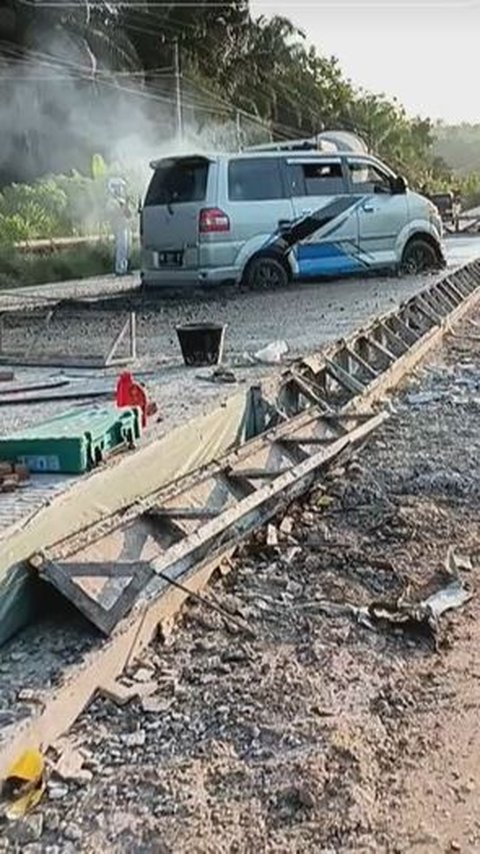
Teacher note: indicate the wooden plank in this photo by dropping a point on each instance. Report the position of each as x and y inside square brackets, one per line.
[451, 299]
[439, 302]
[452, 288]
[52, 361]
[372, 372]
[380, 348]
[350, 383]
[292, 451]
[101, 569]
[392, 337]
[311, 393]
[184, 512]
[129, 328]
[252, 512]
[104, 619]
[309, 440]
[256, 474]
[427, 310]
[408, 334]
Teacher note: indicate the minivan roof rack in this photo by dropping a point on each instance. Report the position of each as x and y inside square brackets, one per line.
[327, 141]
[313, 144]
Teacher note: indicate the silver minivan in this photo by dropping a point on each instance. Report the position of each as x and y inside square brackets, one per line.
[264, 218]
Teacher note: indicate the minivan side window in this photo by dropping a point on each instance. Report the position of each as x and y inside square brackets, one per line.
[255, 180]
[368, 178]
[316, 179]
[177, 181]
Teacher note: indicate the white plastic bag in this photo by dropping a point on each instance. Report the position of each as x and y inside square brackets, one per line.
[273, 353]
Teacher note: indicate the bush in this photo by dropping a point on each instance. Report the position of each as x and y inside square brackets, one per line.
[17, 269]
[54, 206]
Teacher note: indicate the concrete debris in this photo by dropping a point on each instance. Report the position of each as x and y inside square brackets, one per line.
[305, 738]
[458, 563]
[70, 765]
[286, 526]
[272, 536]
[454, 596]
[155, 705]
[403, 613]
[273, 354]
[134, 739]
[56, 791]
[122, 694]
[143, 674]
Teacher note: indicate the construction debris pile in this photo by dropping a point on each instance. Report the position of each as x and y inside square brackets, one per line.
[323, 696]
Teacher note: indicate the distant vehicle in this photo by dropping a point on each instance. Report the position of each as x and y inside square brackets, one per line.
[265, 218]
[448, 206]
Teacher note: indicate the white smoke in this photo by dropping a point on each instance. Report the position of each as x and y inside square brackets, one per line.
[54, 117]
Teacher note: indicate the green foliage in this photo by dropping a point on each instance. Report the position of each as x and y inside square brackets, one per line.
[264, 69]
[56, 206]
[17, 269]
[459, 147]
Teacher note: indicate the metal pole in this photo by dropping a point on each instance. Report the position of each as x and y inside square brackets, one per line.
[238, 125]
[178, 90]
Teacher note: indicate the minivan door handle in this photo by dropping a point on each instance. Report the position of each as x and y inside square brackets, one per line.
[368, 207]
[284, 223]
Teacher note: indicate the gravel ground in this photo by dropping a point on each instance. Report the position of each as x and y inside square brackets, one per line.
[73, 289]
[310, 731]
[306, 317]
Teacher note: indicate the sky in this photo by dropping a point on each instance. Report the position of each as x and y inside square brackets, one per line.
[425, 52]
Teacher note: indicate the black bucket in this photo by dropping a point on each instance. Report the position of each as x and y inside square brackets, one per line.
[201, 343]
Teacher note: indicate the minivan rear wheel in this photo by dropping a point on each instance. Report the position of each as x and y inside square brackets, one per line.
[266, 273]
[419, 256]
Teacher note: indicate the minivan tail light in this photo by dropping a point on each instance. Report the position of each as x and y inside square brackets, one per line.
[213, 220]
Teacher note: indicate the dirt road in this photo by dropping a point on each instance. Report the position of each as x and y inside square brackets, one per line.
[316, 733]
[306, 317]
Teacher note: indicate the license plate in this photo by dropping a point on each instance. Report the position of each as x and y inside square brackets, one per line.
[169, 259]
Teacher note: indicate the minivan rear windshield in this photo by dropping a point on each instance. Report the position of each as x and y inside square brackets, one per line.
[176, 181]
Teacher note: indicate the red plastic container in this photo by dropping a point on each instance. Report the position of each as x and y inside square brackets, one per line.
[131, 393]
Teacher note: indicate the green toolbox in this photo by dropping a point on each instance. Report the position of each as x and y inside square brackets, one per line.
[73, 442]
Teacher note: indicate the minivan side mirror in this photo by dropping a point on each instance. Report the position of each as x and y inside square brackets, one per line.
[399, 185]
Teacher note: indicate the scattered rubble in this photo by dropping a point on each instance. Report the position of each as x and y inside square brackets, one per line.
[315, 733]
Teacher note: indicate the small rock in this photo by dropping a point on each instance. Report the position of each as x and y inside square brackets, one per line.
[294, 588]
[73, 833]
[291, 554]
[134, 739]
[143, 674]
[355, 470]
[56, 791]
[235, 656]
[27, 695]
[336, 474]
[155, 706]
[27, 830]
[52, 821]
[272, 536]
[286, 526]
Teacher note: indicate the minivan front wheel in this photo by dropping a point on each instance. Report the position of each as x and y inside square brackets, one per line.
[266, 273]
[419, 256]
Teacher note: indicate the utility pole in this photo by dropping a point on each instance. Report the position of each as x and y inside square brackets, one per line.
[238, 127]
[178, 91]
